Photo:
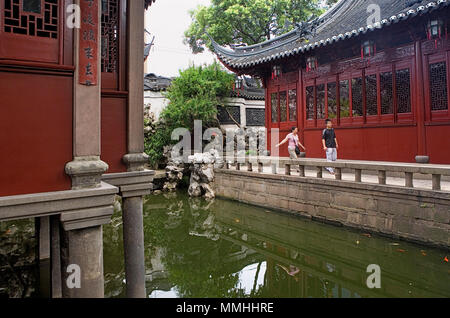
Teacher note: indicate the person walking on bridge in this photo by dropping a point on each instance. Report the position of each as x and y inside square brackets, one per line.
[293, 143]
[329, 143]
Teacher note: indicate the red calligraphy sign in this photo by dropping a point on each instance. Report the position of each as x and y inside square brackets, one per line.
[88, 50]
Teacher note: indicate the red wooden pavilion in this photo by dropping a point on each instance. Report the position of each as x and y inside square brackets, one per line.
[384, 81]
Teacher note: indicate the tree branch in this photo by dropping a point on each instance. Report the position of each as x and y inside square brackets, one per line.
[231, 116]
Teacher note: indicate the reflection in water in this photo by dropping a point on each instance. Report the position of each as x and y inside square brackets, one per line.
[220, 248]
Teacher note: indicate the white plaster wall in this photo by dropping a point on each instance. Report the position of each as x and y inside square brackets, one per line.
[157, 100]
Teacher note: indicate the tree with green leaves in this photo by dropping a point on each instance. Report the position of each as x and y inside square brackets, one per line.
[194, 95]
[246, 21]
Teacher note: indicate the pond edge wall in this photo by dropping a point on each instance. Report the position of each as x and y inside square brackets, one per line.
[416, 215]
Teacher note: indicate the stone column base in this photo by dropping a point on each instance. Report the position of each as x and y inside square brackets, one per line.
[86, 172]
[135, 161]
[422, 159]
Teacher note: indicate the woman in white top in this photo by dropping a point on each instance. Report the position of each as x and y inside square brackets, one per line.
[292, 138]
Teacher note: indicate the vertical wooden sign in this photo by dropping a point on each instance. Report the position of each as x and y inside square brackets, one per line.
[88, 52]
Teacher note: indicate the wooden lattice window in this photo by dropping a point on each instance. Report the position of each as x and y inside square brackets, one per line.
[283, 106]
[274, 107]
[438, 86]
[357, 97]
[403, 90]
[110, 35]
[371, 95]
[31, 17]
[320, 101]
[344, 100]
[310, 102]
[386, 91]
[332, 101]
[292, 105]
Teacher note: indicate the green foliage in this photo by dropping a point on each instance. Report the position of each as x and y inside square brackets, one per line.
[246, 21]
[331, 2]
[194, 95]
[154, 143]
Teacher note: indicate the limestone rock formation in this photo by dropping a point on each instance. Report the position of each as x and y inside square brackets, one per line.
[174, 175]
[175, 170]
[202, 174]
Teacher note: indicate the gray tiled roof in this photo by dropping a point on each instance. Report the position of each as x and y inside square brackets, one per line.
[346, 19]
[250, 90]
[156, 83]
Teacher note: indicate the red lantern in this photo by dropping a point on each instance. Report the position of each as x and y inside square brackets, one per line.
[276, 71]
[368, 49]
[237, 85]
[311, 63]
[435, 30]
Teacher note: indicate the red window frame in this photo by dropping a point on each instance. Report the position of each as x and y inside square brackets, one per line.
[310, 123]
[386, 118]
[332, 79]
[436, 115]
[20, 47]
[404, 117]
[116, 80]
[372, 119]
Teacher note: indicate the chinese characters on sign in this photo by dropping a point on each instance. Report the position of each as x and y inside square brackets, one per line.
[88, 53]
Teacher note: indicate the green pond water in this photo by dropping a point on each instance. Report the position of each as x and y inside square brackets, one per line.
[221, 248]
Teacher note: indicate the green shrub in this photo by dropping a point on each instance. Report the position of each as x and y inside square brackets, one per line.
[194, 95]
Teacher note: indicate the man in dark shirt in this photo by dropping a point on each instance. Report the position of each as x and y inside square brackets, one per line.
[330, 143]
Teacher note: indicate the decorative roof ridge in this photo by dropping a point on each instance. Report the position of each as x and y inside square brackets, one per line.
[283, 39]
[261, 47]
[227, 55]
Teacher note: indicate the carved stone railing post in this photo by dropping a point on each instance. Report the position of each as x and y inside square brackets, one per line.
[301, 170]
[338, 173]
[409, 183]
[358, 173]
[260, 167]
[382, 177]
[274, 168]
[287, 169]
[436, 181]
[319, 172]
